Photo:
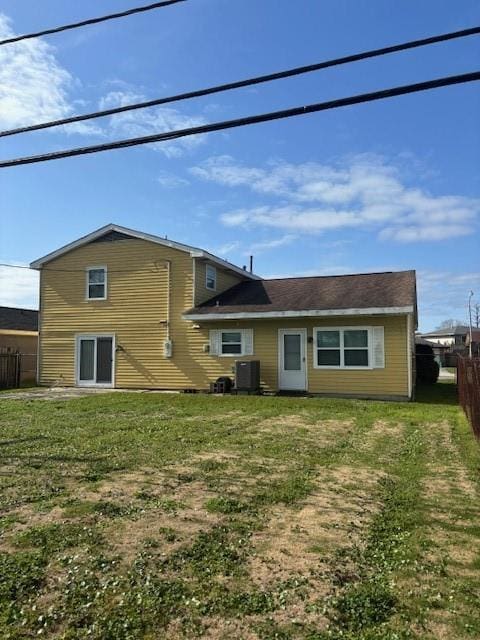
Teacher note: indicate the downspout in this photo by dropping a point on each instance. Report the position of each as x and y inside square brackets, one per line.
[169, 269]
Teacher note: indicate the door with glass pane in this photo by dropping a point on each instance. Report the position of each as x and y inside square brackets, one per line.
[94, 360]
[292, 372]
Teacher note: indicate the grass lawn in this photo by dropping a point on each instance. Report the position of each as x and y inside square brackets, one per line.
[129, 516]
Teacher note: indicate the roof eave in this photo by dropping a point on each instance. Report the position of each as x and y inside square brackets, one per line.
[305, 313]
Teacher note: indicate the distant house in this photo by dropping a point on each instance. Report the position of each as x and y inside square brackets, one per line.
[452, 340]
[19, 333]
[122, 308]
[454, 337]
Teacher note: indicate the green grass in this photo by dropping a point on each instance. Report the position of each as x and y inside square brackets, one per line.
[127, 516]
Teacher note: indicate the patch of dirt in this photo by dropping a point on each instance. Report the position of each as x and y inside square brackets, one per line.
[279, 422]
[186, 519]
[128, 537]
[300, 541]
[295, 536]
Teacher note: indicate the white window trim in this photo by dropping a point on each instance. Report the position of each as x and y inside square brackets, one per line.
[341, 348]
[87, 280]
[242, 343]
[88, 383]
[207, 278]
[243, 336]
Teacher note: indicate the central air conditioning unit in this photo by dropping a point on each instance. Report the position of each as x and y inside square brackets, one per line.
[247, 375]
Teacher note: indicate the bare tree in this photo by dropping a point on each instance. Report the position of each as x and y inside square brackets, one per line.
[476, 315]
[450, 323]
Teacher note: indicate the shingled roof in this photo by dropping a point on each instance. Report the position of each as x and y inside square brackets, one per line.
[13, 318]
[320, 293]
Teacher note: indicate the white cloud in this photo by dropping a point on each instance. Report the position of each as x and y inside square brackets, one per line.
[292, 218]
[33, 85]
[425, 233]
[150, 121]
[226, 249]
[18, 287]
[261, 247]
[363, 190]
[170, 180]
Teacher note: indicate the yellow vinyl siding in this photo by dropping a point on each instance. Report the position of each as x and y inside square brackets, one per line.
[135, 311]
[225, 280]
[392, 380]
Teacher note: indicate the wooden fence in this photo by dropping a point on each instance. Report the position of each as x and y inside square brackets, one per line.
[468, 381]
[10, 370]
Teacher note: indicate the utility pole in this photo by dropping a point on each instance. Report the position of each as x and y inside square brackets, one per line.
[470, 346]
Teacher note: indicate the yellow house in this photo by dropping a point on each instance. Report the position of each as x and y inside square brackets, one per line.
[125, 309]
[19, 334]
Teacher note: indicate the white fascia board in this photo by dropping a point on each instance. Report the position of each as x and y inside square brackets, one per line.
[193, 251]
[308, 313]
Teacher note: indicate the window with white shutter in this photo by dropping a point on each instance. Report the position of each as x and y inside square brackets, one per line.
[231, 342]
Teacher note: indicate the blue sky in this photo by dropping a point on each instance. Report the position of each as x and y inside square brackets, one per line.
[388, 185]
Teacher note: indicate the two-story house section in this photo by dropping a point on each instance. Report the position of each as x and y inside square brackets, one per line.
[111, 306]
[125, 309]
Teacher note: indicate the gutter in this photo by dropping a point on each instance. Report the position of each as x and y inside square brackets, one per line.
[307, 313]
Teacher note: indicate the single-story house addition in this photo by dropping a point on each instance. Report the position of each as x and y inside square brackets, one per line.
[121, 308]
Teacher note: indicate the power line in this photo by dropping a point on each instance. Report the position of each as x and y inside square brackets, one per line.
[248, 120]
[288, 73]
[89, 21]
[155, 269]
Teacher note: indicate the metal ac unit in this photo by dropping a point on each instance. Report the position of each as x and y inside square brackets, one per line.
[247, 375]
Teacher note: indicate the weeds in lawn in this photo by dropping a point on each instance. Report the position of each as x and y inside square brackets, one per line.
[270, 518]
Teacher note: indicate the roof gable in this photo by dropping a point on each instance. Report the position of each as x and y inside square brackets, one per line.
[112, 232]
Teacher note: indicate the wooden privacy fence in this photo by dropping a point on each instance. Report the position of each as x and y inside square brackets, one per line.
[10, 370]
[468, 381]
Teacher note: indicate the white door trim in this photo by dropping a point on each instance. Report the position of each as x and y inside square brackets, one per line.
[93, 336]
[303, 358]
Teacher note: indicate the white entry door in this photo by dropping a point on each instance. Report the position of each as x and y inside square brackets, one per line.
[292, 372]
[95, 360]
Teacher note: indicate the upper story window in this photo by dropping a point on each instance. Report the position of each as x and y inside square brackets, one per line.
[211, 277]
[97, 283]
[342, 348]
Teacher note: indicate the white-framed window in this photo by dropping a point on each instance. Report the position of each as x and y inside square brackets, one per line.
[348, 348]
[211, 277]
[231, 342]
[96, 283]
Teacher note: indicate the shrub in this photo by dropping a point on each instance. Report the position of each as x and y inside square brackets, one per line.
[427, 366]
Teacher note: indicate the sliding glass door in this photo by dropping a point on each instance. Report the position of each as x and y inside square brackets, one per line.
[95, 360]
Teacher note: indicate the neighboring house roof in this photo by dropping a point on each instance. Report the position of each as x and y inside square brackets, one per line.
[421, 340]
[459, 330]
[368, 293]
[12, 318]
[116, 231]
